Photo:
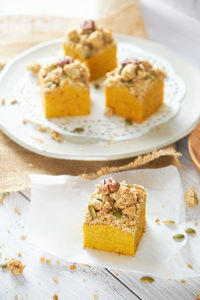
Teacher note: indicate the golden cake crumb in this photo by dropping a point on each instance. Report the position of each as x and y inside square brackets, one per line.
[13, 102]
[23, 236]
[48, 261]
[96, 296]
[19, 254]
[72, 267]
[15, 297]
[25, 121]
[55, 279]
[17, 211]
[42, 259]
[3, 197]
[55, 297]
[34, 67]
[84, 280]
[55, 136]
[15, 266]
[3, 101]
[189, 266]
[183, 281]
[191, 197]
[196, 223]
[157, 220]
[40, 140]
[41, 128]
[109, 111]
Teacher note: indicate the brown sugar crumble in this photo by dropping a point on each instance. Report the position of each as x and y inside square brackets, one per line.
[135, 75]
[55, 136]
[72, 267]
[55, 297]
[116, 203]
[15, 266]
[34, 67]
[55, 279]
[183, 281]
[191, 197]
[42, 259]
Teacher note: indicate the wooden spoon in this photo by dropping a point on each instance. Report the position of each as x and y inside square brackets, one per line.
[194, 147]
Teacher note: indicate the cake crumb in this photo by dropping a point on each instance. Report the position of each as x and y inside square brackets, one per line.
[15, 266]
[195, 223]
[3, 101]
[198, 296]
[19, 254]
[23, 236]
[183, 281]
[72, 267]
[191, 198]
[3, 197]
[96, 296]
[189, 266]
[25, 121]
[55, 136]
[16, 297]
[34, 67]
[84, 280]
[58, 262]
[157, 220]
[109, 111]
[13, 102]
[17, 211]
[9, 231]
[42, 259]
[48, 261]
[41, 128]
[55, 279]
[55, 297]
[40, 140]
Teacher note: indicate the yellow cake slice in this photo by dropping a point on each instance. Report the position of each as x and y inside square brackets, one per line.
[93, 45]
[65, 88]
[135, 90]
[115, 217]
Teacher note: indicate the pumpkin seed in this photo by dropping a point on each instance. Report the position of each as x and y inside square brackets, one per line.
[117, 214]
[190, 231]
[128, 83]
[146, 279]
[92, 211]
[97, 86]
[78, 130]
[178, 236]
[169, 222]
[87, 53]
[129, 122]
[151, 75]
[120, 70]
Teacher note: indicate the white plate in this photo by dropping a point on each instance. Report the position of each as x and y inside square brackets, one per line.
[11, 116]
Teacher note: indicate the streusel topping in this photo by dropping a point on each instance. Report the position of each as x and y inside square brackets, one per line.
[56, 74]
[90, 39]
[117, 204]
[134, 74]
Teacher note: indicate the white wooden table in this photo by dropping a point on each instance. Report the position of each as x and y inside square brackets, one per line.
[85, 282]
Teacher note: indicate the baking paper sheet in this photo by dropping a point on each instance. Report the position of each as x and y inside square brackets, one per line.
[56, 217]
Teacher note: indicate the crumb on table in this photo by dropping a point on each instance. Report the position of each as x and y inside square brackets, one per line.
[191, 197]
[15, 266]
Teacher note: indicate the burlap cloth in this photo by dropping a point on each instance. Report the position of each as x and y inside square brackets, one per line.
[18, 33]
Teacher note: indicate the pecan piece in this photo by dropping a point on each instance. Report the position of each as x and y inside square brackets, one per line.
[88, 26]
[65, 61]
[109, 185]
[130, 60]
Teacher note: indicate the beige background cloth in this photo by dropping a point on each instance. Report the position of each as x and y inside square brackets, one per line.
[17, 33]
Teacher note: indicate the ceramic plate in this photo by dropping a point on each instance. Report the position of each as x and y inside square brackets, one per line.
[125, 142]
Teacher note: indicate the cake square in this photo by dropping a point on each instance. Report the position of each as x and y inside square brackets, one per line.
[135, 90]
[65, 88]
[115, 217]
[93, 45]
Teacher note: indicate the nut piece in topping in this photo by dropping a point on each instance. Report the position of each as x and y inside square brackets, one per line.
[191, 197]
[109, 185]
[88, 26]
[34, 67]
[15, 266]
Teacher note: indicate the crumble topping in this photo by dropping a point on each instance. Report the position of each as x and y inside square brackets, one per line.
[117, 204]
[135, 75]
[67, 70]
[191, 197]
[89, 39]
[34, 67]
[15, 266]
